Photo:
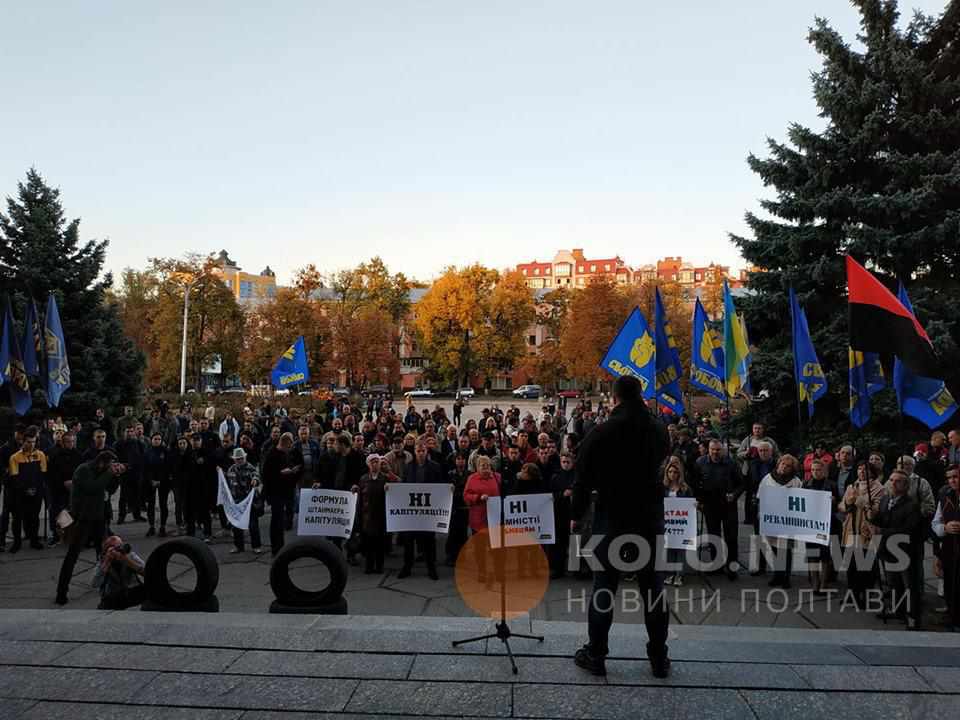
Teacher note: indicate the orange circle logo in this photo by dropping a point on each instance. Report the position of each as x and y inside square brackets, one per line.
[511, 580]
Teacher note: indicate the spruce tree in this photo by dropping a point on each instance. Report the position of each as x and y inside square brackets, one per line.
[40, 253]
[881, 181]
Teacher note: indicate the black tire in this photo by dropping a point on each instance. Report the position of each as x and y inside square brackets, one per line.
[204, 561]
[317, 549]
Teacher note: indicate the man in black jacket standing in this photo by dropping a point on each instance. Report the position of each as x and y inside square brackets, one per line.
[619, 459]
[897, 520]
[421, 470]
[718, 488]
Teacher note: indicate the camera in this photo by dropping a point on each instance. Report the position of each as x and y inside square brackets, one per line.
[124, 549]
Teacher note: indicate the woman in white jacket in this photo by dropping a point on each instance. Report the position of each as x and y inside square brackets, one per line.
[784, 477]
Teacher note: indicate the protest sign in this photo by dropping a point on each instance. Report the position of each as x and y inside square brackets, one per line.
[680, 523]
[527, 520]
[237, 513]
[796, 514]
[418, 507]
[326, 512]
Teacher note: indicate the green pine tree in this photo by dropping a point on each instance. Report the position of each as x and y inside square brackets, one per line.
[881, 182]
[40, 253]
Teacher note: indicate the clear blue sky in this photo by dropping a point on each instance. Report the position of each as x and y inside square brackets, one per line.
[431, 133]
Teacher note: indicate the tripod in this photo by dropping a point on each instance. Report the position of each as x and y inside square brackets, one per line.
[503, 633]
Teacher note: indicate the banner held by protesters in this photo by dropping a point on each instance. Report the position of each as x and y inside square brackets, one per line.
[796, 514]
[527, 520]
[680, 523]
[237, 513]
[418, 507]
[326, 512]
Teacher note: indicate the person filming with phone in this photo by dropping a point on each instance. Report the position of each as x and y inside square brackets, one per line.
[85, 520]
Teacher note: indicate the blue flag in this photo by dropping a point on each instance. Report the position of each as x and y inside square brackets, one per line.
[58, 369]
[923, 398]
[706, 356]
[291, 368]
[13, 370]
[668, 367]
[32, 343]
[866, 380]
[811, 382]
[633, 352]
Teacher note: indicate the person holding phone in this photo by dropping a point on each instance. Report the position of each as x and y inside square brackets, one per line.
[91, 482]
[281, 470]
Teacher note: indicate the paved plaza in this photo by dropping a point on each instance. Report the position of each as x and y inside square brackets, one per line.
[28, 580]
[150, 666]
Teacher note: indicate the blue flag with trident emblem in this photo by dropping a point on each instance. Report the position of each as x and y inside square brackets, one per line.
[58, 369]
[667, 362]
[291, 368]
[926, 399]
[811, 382]
[633, 352]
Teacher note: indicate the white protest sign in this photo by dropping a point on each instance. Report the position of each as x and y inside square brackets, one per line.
[418, 507]
[326, 512]
[527, 520]
[680, 523]
[796, 514]
[237, 513]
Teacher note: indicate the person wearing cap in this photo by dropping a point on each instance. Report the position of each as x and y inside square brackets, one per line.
[819, 453]
[489, 449]
[242, 477]
[91, 482]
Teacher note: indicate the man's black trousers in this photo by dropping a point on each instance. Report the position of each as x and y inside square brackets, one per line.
[604, 599]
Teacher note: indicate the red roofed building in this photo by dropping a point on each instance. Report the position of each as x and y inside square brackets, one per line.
[572, 269]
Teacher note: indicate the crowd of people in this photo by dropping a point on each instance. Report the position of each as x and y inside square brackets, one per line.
[161, 468]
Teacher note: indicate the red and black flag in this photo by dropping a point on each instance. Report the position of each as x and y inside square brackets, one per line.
[880, 323]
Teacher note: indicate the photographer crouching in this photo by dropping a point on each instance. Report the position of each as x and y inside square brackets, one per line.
[117, 576]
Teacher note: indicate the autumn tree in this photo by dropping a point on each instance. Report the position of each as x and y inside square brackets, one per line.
[215, 325]
[136, 299]
[597, 312]
[472, 321]
[275, 324]
[368, 304]
[307, 281]
[545, 365]
[365, 348]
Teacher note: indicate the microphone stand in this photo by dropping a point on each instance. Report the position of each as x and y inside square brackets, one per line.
[503, 632]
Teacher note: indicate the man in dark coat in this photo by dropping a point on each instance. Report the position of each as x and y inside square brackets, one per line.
[64, 460]
[421, 470]
[130, 452]
[897, 519]
[91, 482]
[619, 460]
[719, 486]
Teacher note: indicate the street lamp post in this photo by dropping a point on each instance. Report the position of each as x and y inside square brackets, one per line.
[183, 350]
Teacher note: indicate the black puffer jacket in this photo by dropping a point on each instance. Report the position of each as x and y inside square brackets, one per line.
[620, 460]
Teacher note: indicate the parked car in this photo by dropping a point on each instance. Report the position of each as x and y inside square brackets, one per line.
[375, 390]
[423, 392]
[570, 393]
[235, 391]
[466, 392]
[305, 393]
[282, 392]
[340, 392]
[528, 392]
